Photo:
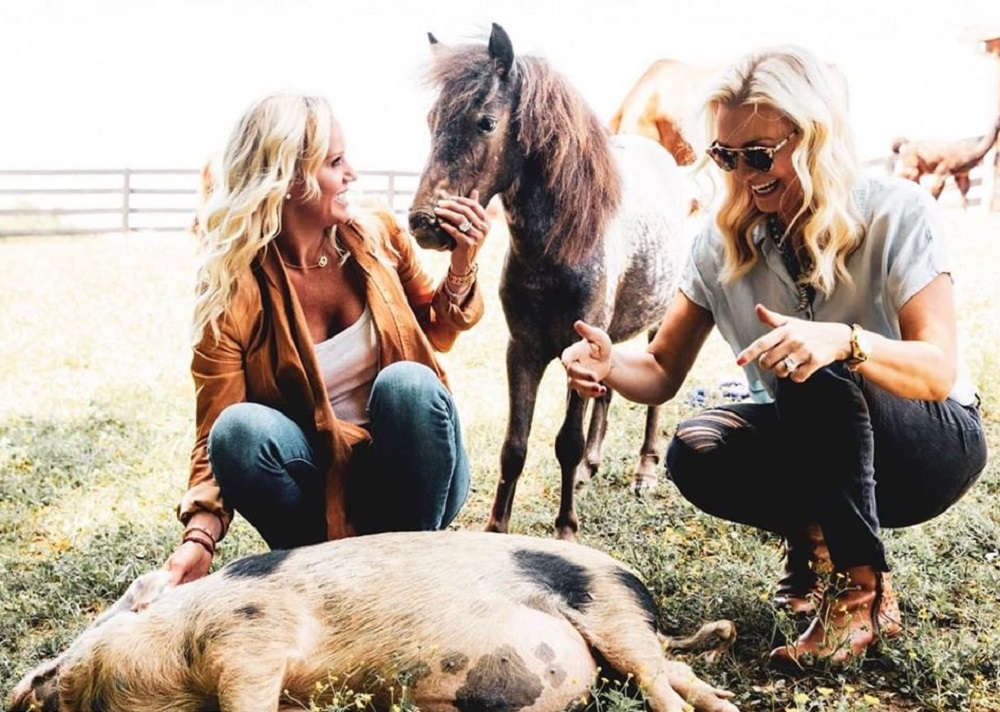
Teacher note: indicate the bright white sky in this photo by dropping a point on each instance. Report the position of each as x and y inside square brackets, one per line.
[159, 83]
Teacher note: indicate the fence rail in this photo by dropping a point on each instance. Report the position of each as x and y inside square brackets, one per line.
[70, 202]
[67, 201]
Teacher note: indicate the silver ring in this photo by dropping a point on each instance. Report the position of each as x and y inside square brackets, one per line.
[789, 363]
[465, 226]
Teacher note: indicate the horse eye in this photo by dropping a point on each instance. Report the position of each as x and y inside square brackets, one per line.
[487, 124]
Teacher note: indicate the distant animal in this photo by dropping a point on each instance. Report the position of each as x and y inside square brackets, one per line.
[941, 159]
[661, 105]
[595, 234]
[206, 179]
[449, 621]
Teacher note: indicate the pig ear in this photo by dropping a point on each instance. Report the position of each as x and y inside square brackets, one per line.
[501, 50]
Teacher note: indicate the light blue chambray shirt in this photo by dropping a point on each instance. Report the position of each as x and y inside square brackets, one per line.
[902, 252]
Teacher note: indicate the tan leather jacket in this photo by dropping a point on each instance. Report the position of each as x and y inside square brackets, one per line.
[265, 354]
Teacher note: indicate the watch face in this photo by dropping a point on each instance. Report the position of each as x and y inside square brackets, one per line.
[861, 343]
[865, 341]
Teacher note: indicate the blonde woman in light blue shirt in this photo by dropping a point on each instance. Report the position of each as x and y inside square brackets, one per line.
[833, 289]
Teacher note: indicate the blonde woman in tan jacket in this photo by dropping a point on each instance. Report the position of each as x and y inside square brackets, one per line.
[322, 410]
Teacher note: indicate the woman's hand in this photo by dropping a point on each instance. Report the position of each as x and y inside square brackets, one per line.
[190, 561]
[796, 348]
[588, 361]
[465, 220]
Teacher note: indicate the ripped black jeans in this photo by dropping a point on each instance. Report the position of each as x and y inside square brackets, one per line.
[834, 450]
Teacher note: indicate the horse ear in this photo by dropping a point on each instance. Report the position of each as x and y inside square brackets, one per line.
[435, 43]
[501, 50]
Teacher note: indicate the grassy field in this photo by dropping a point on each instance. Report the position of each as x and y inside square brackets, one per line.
[96, 409]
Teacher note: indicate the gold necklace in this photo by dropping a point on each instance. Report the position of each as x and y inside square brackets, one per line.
[323, 261]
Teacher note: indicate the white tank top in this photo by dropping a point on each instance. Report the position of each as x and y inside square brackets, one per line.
[349, 363]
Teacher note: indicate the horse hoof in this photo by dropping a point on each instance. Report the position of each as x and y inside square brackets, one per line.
[644, 485]
[566, 534]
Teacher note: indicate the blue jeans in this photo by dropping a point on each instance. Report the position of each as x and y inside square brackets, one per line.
[413, 476]
[834, 450]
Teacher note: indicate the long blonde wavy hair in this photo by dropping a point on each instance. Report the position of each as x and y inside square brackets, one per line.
[281, 139]
[792, 81]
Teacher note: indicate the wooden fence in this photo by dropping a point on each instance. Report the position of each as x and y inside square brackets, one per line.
[68, 202]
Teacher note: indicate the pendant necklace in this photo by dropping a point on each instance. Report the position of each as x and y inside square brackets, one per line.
[777, 234]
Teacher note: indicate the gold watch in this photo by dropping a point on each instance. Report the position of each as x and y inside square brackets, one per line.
[861, 347]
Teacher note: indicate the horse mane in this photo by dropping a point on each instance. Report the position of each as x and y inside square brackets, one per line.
[557, 130]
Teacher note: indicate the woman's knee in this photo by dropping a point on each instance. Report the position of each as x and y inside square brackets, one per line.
[238, 425]
[248, 436]
[700, 454]
[407, 386]
[683, 461]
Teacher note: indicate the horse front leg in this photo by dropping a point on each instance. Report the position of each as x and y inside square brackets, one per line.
[594, 449]
[646, 475]
[569, 450]
[524, 373]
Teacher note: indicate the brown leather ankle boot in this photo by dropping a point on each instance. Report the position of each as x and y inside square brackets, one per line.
[858, 610]
[806, 560]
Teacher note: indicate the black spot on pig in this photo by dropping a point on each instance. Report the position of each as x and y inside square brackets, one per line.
[642, 596]
[250, 611]
[499, 682]
[257, 566]
[555, 672]
[545, 653]
[569, 581]
[454, 663]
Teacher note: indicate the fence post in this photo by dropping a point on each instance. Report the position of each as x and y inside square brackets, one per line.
[392, 191]
[126, 192]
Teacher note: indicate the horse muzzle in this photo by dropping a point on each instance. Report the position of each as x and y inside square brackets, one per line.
[426, 229]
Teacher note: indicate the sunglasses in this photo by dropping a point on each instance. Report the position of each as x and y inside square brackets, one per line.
[759, 158]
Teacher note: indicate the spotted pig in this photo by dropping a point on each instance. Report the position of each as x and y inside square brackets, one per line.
[452, 621]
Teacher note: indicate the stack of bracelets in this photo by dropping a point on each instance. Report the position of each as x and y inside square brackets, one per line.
[200, 536]
[461, 282]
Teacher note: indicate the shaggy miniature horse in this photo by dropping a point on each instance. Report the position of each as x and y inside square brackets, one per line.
[595, 231]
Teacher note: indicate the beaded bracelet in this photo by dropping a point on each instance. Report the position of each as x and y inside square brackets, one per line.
[462, 280]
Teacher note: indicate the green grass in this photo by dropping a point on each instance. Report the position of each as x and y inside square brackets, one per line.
[96, 408]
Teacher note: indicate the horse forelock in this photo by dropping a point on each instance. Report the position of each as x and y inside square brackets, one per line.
[557, 131]
[464, 76]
